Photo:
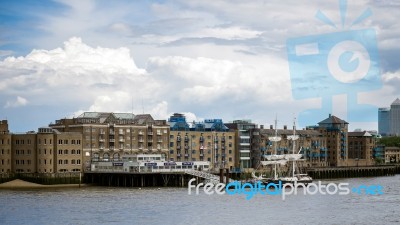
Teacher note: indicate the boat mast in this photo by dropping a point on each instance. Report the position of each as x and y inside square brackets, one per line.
[276, 138]
[294, 144]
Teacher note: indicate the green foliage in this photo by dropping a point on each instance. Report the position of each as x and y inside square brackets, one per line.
[379, 161]
[390, 141]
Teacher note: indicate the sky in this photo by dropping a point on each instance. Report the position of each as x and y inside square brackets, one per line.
[207, 59]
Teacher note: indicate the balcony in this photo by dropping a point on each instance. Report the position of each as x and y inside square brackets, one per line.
[178, 138]
[186, 155]
[101, 140]
[121, 140]
[111, 148]
[101, 147]
[159, 140]
[201, 154]
[112, 132]
[102, 132]
[150, 133]
[178, 147]
[201, 147]
[112, 140]
[158, 132]
[140, 133]
[186, 147]
[178, 155]
[186, 139]
[141, 139]
[150, 140]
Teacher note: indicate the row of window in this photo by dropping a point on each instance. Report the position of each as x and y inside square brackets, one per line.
[22, 162]
[194, 152]
[2, 141]
[66, 152]
[127, 130]
[22, 152]
[22, 142]
[4, 152]
[195, 159]
[193, 136]
[73, 162]
[194, 144]
[65, 142]
[3, 162]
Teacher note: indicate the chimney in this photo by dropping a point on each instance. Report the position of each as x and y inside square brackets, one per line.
[271, 127]
[285, 127]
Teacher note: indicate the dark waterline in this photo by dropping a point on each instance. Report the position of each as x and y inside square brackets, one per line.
[107, 205]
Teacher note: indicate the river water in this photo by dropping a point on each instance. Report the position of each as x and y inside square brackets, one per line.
[109, 205]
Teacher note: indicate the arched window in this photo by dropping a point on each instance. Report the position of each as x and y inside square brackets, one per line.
[96, 156]
[72, 151]
[116, 156]
[66, 161]
[106, 157]
[60, 161]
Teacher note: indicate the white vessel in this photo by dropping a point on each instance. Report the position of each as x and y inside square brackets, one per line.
[293, 174]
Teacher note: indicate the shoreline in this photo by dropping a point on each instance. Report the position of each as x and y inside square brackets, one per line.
[20, 184]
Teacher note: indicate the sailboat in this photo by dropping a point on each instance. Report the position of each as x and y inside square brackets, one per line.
[281, 160]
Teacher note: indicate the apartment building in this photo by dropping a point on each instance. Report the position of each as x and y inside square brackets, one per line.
[360, 149]
[5, 148]
[335, 131]
[242, 135]
[209, 141]
[108, 136]
[311, 143]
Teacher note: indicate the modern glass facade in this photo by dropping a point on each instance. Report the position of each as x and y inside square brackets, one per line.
[383, 121]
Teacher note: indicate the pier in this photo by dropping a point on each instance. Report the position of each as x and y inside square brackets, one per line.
[351, 172]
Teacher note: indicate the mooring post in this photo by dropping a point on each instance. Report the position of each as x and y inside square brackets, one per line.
[227, 175]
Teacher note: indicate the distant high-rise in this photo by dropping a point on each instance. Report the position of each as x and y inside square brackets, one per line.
[384, 121]
[389, 119]
[395, 118]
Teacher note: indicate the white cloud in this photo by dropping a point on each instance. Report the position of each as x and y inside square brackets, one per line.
[20, 101]
[214, 59]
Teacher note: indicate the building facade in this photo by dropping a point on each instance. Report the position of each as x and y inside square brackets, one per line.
[108, 136]
[361, 148]
[242, 135]
[395, 118]
[392, 154]
[311, 143]
[5, 148]
[389, 119]
[335, 131]
[384, 121]
[208, 141]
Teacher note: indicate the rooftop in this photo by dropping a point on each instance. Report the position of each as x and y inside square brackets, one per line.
[396, 102]
[332, 120]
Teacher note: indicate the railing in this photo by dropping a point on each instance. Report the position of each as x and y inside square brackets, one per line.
[208, 176]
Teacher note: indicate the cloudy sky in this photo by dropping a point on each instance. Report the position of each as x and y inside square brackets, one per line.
[208, 59]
